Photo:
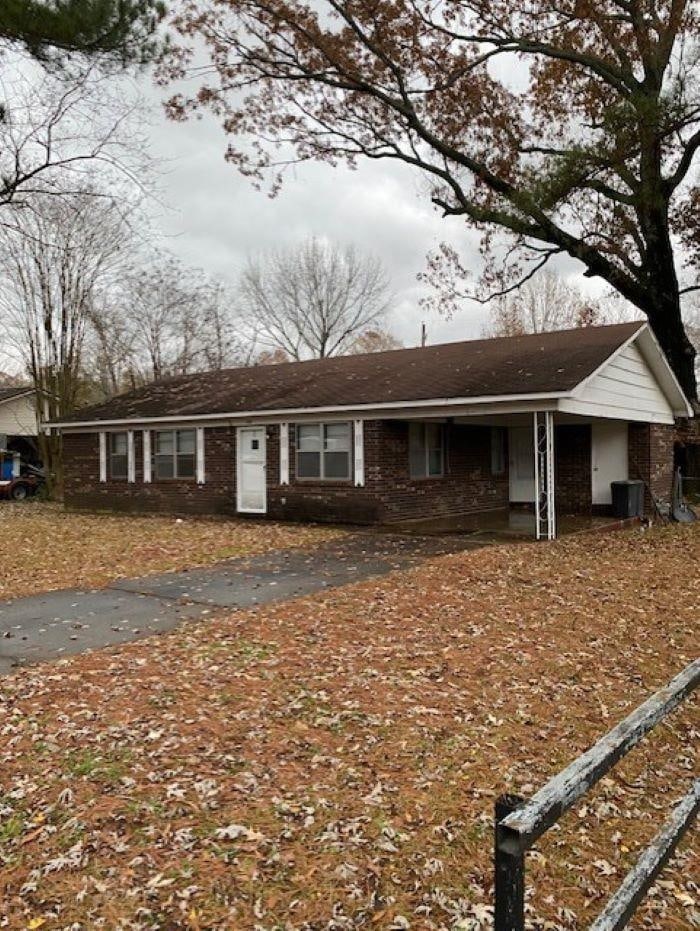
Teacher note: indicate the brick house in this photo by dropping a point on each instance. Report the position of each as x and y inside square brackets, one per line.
[542, 421]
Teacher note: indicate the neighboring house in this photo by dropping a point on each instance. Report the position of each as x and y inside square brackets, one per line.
[18, 421]
[392, 436]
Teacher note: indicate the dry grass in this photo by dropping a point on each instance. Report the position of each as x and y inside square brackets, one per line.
[331, 763]
[48, 548]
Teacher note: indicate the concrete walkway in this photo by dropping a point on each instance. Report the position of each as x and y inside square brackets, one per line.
[58, 623]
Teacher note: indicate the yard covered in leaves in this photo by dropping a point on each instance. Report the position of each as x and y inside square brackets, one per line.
[332, 763]
[49, 548]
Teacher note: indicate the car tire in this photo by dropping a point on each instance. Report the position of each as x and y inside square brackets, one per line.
[19, 492]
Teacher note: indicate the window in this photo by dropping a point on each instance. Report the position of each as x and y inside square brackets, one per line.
[498, 450]
[118, 455]
[175, 454]
[425, 450]
[323, 450]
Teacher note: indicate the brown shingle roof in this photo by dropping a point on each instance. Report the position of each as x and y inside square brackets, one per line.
[547, 363]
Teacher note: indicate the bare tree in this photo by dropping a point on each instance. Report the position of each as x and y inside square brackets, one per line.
[58, 131]
[220, 344]
[375, 340]
[182, 320]
[11, 380]
[547, 302]
[112, 339]
[162, 318]
[271, 357]
[158, 301]
[314, 300]
[53, 267]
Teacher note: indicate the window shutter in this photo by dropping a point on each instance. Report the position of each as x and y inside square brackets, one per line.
[103, 456]
[359, 452]
[147, 475]
[201, 471]
[284, 454]
[130, 457]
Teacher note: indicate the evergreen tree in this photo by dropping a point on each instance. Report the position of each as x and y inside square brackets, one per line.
[117, 32]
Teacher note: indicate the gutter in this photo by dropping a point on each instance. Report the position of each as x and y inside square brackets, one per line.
[344, 409]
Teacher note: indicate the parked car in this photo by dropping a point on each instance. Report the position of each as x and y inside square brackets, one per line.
[19, 482]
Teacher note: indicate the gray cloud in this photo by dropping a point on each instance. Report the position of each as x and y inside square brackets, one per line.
[214, 218]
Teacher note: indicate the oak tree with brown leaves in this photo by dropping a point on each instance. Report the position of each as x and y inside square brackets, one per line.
[570, 125]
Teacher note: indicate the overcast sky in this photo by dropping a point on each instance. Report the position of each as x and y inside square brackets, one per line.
[213, 218]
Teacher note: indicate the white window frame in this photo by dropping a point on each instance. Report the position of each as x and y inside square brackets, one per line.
[499, 455]
[284, 454]
[147, 462]
[126, 477]
[321, 477]
[199, 468]
[359, 450]
[175, 477]
[423, 425]
[130, 457]
[103, 456]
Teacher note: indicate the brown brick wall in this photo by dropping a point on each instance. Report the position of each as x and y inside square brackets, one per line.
[572, 468]
[466, 486]
[389, 493]
[304, 500]
[651, 459]
[83, 488]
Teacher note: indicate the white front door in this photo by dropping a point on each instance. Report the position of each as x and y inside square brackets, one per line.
[251, 489]
[608, 458]
[521, 464]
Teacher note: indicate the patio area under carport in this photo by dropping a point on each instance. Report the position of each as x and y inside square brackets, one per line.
[509, 524]
[558, 469]
[564, 450]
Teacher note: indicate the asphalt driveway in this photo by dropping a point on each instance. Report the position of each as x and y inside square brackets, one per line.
[55, 624]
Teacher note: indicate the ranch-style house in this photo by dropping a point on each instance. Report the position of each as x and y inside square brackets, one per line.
[539, 422]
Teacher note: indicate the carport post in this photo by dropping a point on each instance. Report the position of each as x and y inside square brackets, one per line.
[543, 443]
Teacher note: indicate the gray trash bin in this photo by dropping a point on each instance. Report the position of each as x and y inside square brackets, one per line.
[628, 498]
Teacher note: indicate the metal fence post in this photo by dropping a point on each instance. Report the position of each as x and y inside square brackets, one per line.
[509, 872]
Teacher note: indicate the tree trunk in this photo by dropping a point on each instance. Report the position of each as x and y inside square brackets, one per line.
[664, 313]
[662, 292]
[50, 450]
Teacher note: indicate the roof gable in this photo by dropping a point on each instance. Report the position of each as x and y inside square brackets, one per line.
[10, 392]
[626, 383]
[635, 383]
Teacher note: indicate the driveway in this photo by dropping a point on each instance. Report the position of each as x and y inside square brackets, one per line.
[58, 623]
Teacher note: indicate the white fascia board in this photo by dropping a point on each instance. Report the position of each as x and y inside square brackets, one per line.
[655, 358]
[17, 397]
[593, 411]
[507, 402]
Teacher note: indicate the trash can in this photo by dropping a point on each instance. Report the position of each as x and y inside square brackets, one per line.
[628, 498]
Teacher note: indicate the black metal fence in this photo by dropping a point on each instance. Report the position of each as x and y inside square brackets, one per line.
[519, 823]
